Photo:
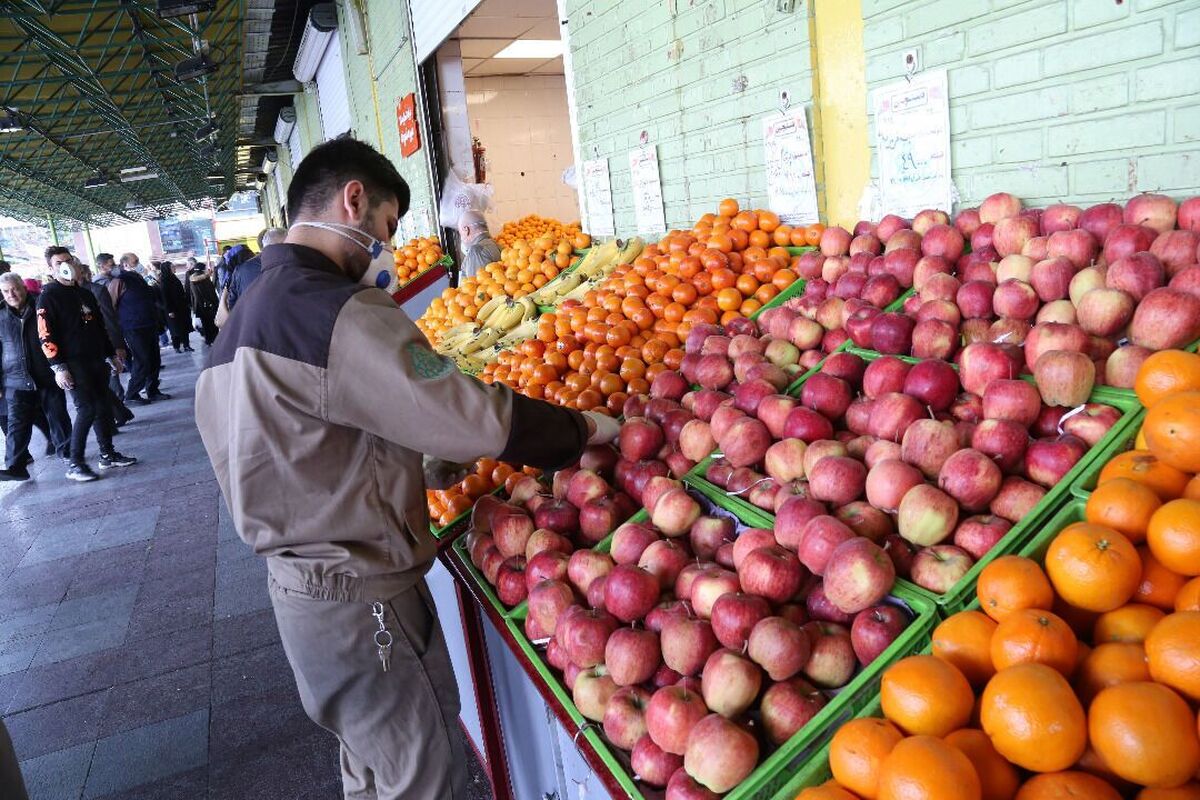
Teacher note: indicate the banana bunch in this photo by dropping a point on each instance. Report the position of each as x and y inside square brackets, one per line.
[597, 264]
[500, 319]
[504, 313]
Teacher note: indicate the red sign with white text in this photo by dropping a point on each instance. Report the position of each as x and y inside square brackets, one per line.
[406, 122]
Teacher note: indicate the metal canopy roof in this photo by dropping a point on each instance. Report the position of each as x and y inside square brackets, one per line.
[94, 90]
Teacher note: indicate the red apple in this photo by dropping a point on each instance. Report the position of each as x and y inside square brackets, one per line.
[1156, 211]
[598, 518]
[1012, 399]
[981, 363]
[548, 601]
[510, 581]
[745, 442]
[630, 540]
[977, 535]
[1166, 319]
[785, 460]
[710, 587]
[669, 385]
[625, 716]
[1047, 461]
[892, 333]
[734, 615]
[592, 692]
[1091, 422]
[730, 682]
[875, 629]
[940, 567]
[1015, 267]
[892, 414]
[807, 425]
[586, 485]
[1079, 246]
[787, 707]
[666, 611]
[1015, 299]
[773, 411]
[866, 520]
[1011, 234]
[791, 519]
[511, 529]
[837, 480]
[720, 753]
[820, 537]
[1187, 279]
[709, 533]
[826, 394]
[675, 512]
[926, 515]
[933, 382]
[1064, 378]
[1051, 278]
[651, 764]
[888, 481]
[770, 572]
[885, 375]
[671, 714]
[832, 663]
[780, 647]
[858, 575]
[927, 444]
[1098, 220]
[1004, 441]
[1016, 499]
[632, 655]
[971, 478]
[1121, 368]
[664, 559]
[630, 592]
[1125, 240]
[999, 206]
[1137, 273]
[687, 642]
[584, 634]
[1049, 336]
[1189, 214]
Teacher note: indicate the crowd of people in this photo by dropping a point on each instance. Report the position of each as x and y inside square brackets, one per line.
[78, 331]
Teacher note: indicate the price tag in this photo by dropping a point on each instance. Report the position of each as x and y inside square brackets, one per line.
[912, 142]
[597, 198]
[647, 190]
[791, 185]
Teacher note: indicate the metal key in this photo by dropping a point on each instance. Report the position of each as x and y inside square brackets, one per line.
[383, 637]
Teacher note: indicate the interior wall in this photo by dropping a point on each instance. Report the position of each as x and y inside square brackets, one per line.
[523, 123]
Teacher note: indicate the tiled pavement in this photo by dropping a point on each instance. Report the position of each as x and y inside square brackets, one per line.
[138, 652]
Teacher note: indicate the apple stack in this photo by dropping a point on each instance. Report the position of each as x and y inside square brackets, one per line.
[1108, 283]
[697, 642]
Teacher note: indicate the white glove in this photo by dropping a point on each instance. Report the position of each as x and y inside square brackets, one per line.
[64, 380]
[601, 429]
[441, 474]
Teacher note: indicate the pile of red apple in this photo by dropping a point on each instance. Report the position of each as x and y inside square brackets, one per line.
[1110, 283]
[933, 464]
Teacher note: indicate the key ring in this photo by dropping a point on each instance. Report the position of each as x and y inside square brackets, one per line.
[383, 638]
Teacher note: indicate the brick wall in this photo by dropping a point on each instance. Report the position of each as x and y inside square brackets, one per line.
[1082, 100]
[697, 77]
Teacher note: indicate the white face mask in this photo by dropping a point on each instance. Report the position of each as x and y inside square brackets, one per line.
[374, 247]
[381, 272]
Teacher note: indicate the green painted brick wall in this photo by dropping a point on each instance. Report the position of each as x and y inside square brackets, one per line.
[1080, 100]
[697, 76]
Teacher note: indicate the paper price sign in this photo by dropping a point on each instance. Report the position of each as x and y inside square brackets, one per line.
[912, 140]
[791, 185]
[647, 190]
[597, 198]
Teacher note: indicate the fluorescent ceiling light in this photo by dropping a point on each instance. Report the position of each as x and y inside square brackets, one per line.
[141, 176]
[532, 48]
[131, 170]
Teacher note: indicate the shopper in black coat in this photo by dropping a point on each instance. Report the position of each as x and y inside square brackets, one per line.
[204, 300]
[177, 307]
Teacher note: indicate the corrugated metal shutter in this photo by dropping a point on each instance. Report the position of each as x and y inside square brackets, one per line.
[280, 190]
[331, 91]
[434, 20]
[293, 144]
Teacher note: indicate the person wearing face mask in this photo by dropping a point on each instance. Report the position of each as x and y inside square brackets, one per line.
[319, 406]
[75, 343]
[479, 247]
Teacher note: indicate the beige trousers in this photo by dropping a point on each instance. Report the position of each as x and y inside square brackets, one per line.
[398, 729]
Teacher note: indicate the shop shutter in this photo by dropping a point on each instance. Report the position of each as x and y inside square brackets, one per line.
[434, 20]
[280, 189]
[331, 91]
[293, 144]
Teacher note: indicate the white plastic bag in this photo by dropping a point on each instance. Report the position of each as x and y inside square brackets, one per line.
[458, 197]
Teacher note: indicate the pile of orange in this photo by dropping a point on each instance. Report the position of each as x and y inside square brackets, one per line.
[446, 505]
[595, 353]
[415, 257]
[535, 227]
[1079, 677]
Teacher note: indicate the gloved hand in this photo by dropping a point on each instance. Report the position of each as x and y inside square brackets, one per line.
[441, 474]
[601, 429]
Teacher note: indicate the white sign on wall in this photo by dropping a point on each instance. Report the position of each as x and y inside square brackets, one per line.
[647, 190]
[791, 185]
[597, 198]
[912, 141]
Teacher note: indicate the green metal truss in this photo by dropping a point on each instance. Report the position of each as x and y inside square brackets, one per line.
[93, 82]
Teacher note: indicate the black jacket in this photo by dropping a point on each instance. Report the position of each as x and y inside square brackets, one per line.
[202, 294]
[70, 327]
[23, 367]
[174, 300]
[112, 324]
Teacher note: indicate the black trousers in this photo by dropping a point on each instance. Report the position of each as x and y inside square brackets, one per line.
[208, 325]
[146, 358]
[24, 410]
[92, 408]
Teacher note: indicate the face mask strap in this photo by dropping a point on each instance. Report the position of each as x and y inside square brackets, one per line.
[374, 250]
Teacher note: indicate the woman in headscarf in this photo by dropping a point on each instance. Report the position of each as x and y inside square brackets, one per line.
[174, 301]
[203, 297]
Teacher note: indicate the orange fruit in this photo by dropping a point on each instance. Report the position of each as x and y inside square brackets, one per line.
[1011, 583]
[1192, 489]
[728, 208]
[1145, 467]
[1033, 718]
[1159, 585]
[926, 695]
[1173, 650]
[1124, 505]
[1034, 635]
[857, 751]
[1189, 791]
[1067, 786]
[998, 779]
[1109, 664]
[1166, 373]
[1129, 623]
[829, 791]
[1174, 536]
[1172, 428]
[1188, 598]
[965, 640]
[926, 767]
[1146, 733]
[1093, 567]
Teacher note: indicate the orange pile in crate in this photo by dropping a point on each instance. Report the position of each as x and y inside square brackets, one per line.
[415, 257]
[446, 505]
[536, 227]
[594, 354]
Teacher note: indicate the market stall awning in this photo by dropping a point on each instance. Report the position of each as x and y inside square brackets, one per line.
[112, 110]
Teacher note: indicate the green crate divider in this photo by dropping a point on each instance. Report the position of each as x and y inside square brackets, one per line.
[797, 288]
[1086, 482]
[799, 251]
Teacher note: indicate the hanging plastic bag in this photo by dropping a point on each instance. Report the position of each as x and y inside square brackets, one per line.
[458, 197]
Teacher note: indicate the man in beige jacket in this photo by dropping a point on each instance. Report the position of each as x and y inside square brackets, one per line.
[319, 401]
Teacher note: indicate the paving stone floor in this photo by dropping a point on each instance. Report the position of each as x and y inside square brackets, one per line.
[138, 652]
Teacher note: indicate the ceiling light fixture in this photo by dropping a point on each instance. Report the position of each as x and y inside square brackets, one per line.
[131, 170]
[204, 131]
[138, 176]
[195, 67]
[168, 9]
[10, 121]
[319, 29]
[532, 49]
[96, 182]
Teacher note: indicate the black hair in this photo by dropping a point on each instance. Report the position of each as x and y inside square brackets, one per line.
[55, 250]
[330, 166]
[5, 266]
[104, 258]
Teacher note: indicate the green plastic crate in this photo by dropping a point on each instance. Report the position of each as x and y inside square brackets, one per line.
[1088, 478]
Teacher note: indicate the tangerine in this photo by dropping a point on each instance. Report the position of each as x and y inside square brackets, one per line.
[926, 695]
[1145, 467]
[728, 208]
[998, 779]
[1070, 785]
[1012, 583]
[1129, 623]
[1034, 635]
[964, 639]
[1172, 429]
[1192, 490]
[1166, 373]
[1159, 585]
[1125, 505]
[1146, 733]
[857, 751]
[1188, 598]
[1173, 651]
[1174, 536]
[1189, 791]
[1093, 567]
[1034, 718]
[829, 791]
[1109, 664]
[929, 768]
